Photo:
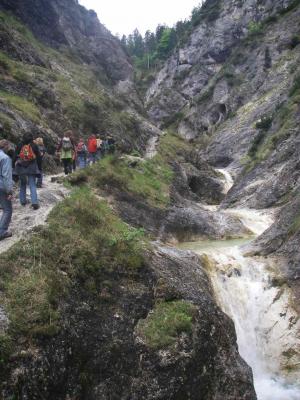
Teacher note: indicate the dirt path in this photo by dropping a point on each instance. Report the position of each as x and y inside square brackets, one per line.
[25, 218]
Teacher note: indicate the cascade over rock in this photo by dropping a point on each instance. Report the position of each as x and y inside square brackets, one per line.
[112, 309]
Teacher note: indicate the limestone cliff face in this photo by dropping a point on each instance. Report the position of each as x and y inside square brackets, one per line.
[187, 73]
[239, 69]
[61, 69]
[65, 23]
[233, 90]
[102, 353]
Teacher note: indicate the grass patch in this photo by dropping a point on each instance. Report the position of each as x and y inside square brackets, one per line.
[25, 107]
[284, 119]
[87, 242]
[295, 89]
[7, 123]
[11, 22]
[295, 227]
[148, 179]
[166, 322]
[209, 11]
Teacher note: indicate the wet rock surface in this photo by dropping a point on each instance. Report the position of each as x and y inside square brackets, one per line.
[282, 241]
[223, 83]
[99, 353]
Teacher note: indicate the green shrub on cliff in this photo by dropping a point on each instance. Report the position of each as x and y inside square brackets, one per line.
[295, 89]
[166, 322]
[295, 226]
[24, 106]
[148, 179]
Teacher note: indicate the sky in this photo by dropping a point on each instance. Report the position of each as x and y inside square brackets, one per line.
[123, 16]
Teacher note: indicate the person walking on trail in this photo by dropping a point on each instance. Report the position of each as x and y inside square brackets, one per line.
[6, 189]
[66, 149]
[27, 166]
[111, 145]
[99, 148]
[74, 153]
[92, 149]
[81, 151]
[40, 143]
[104, 146]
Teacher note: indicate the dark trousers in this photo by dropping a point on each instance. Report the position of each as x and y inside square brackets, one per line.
[68, 164]
[7, 212]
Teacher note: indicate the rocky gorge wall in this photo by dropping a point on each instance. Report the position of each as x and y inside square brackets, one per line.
[62, 69]
[236, 98]
[112, 321]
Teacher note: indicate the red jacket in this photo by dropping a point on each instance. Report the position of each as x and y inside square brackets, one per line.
[92, 144]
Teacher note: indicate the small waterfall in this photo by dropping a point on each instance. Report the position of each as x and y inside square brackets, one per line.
[262, 318]
[266, 325]
[228, 180]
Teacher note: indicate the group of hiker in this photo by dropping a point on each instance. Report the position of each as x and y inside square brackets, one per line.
[82, 154]
[25, 164]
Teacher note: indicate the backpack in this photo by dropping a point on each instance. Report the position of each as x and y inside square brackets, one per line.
[67, 144]
[92, 145]
[26, 153]
[99, 144]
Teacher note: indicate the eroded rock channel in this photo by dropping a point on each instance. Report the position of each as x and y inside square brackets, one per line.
[266, 323]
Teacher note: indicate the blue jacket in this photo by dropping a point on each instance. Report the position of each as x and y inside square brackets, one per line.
[6, 182]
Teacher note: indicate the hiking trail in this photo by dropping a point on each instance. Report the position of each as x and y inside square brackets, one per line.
[24, 219]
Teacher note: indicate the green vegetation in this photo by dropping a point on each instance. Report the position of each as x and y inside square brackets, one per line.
[150, 51]
[295, 227]
[255, 28]
[87, 242]
[295, 90]
[264, 123]
[6, 122]
[148, 179]
[295, 41]
[24, 106]
[284, 119]
[209, 11]
[166, 322]
[294, 4]
[9, 21]
[79, 89]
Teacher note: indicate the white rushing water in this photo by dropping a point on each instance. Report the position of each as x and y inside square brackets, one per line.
[266, 325]
[228, 180]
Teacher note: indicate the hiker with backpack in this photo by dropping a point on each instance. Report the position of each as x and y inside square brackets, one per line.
[81, 151]
[27, 164]
[66, 149]
[74, 154]
[92, 149]
[40, 143]
[111, 145]
[99, 148]
[6, 189]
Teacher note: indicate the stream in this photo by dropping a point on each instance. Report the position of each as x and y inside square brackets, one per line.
[267, 327]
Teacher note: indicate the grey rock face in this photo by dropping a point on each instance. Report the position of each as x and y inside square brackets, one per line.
[192, 223]
[99, 354]
[282, 241]
[66, 23]
[186, 75]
